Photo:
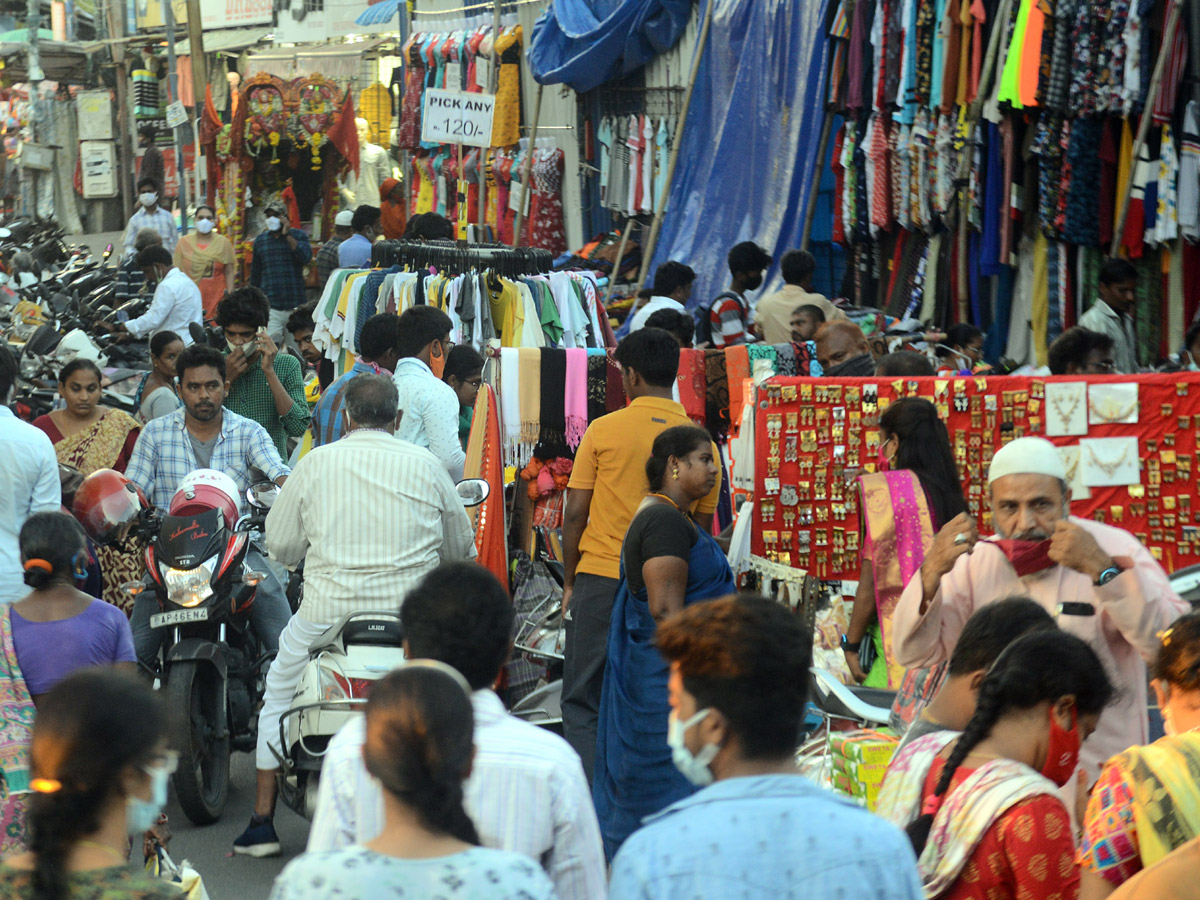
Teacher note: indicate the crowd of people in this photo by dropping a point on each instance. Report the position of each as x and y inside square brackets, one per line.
[1021, 660]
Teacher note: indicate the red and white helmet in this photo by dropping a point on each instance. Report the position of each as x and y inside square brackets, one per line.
[206, 489]
[107, 504]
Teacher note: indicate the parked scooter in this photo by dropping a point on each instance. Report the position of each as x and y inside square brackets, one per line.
[344, 663]
[213, 664]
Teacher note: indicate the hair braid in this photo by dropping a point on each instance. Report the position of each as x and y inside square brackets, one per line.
[987, 712]
[56, 822]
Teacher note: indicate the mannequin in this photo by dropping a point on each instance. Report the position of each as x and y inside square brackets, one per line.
[374, 167]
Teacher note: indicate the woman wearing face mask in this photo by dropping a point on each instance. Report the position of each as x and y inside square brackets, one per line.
[156, 395]
[1147, 800]
[914, 491]
[99, 766]
[419, 746]
[53, 631]
[88, 436]
[667, 562]
[206, 257]
[982, 808]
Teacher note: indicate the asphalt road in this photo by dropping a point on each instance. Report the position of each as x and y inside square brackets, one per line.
[210, 848]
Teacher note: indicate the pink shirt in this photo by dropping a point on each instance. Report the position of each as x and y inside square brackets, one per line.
[1130, 610]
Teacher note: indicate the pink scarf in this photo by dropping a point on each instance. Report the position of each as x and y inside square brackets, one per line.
[576, 396]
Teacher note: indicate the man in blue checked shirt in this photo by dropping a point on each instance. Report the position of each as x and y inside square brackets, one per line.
[277, 267]
[205, 435]
[758, 828]
[379, 351]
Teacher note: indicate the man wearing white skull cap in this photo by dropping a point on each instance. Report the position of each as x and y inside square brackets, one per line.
[1098, 581]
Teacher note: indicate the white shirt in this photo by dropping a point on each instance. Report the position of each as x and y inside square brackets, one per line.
[653, 305]
[430, 409]
[371, 516]
[28, 484]
[527, 793]
[176, 305]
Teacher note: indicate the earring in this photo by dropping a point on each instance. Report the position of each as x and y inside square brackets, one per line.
[81, 562]
[675, 473]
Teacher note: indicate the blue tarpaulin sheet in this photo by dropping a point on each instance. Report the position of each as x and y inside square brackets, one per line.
[751, 138]
[585, 43]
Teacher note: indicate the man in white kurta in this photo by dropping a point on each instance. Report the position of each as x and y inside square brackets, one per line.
[1098, 581]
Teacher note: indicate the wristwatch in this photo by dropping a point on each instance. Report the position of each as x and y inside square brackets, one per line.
[1107, 575]
[848, 647]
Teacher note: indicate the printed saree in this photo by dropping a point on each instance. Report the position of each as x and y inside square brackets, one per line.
[899, 526]
[16, 730]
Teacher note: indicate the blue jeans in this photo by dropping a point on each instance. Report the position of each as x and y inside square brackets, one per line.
[269, 614]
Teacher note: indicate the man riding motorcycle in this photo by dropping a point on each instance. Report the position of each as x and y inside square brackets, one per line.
[370, 515]
[205, 435]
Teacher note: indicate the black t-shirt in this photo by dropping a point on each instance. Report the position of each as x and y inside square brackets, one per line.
[658, 530]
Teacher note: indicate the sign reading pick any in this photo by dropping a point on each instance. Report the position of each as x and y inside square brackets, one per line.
[456, 117]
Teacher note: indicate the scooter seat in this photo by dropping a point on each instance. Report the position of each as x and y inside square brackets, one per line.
[378, 632]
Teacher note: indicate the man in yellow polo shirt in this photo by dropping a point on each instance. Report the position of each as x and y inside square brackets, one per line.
[607, 484]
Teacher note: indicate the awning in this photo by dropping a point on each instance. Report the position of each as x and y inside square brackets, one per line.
[379, 13]
[335, 61]
[61, 61]
[227, 39]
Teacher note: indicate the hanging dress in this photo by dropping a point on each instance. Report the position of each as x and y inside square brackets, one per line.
[506, 127]
[546, 212]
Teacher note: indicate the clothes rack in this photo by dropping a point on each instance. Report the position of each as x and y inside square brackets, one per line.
[451, 258]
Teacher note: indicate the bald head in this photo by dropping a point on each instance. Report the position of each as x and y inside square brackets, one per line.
[838, 342]
[371, 402]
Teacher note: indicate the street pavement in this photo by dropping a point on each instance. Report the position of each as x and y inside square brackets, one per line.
[210, 848]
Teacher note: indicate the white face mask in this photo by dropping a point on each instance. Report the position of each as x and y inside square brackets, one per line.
[273, 223]
[205, 226]
[149, 198]
[141, 815]
[693, 767]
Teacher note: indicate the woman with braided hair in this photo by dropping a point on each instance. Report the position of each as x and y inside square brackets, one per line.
[982, 808]
[419, 746]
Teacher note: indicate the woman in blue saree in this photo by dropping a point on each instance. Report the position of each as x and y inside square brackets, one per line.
[667, 563]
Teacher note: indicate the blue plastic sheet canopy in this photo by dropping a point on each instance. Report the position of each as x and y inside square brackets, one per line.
[585, 43]
[751, 138]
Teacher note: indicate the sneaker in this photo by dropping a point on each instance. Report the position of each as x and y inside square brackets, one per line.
[258, 840]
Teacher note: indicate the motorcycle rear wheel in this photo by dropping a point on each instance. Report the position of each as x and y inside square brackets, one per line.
[202, 779]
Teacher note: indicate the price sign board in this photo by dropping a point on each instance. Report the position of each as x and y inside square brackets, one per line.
[456, 117]
[176, 115]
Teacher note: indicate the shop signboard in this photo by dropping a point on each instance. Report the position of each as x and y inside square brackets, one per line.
[457, 117]
[95, 114]
[236, 13]
[98, 165]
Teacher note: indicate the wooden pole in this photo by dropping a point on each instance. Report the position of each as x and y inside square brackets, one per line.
[173, 82]
[528, 169]
[199, 85]
[116, 50]
[612, 279]
[660, 206]
[810, 208]
[1147, 114]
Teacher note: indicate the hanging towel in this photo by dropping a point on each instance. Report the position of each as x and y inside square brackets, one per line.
[510, 403]
[576, 404]
[551, 442]
[530, 365]
[597, 383]
[692, 384]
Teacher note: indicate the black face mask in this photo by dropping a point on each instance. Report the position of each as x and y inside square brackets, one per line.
[856, 367]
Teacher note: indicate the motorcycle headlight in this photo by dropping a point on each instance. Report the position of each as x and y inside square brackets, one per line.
[189, 587]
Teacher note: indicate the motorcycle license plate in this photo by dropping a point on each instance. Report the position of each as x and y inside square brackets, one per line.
[178, 617]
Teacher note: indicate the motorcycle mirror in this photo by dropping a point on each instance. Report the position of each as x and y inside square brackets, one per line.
[262, 495]
[196, 330]
[253, 578]
[473, 491]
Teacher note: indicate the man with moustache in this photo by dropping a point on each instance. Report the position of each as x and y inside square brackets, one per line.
[1098, 581]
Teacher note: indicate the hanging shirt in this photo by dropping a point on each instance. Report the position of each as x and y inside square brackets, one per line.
[604, 137]
[647, 188]
[661, 158]
[1189, 173]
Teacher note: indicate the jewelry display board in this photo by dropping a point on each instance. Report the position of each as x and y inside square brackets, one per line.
[1131, 467]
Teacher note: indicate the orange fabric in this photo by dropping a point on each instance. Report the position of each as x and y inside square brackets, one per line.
[737, 368]
[394, 214]
[1031, 55]
[484, 461]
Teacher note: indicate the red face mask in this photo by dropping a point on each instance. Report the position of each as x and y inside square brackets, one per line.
[882, 463]
[1062, 755]
[1027, 557]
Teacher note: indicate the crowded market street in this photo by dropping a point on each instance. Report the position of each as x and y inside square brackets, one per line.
[583, 449]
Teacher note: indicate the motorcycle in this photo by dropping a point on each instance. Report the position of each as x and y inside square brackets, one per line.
[213, 664]
[344, 662]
